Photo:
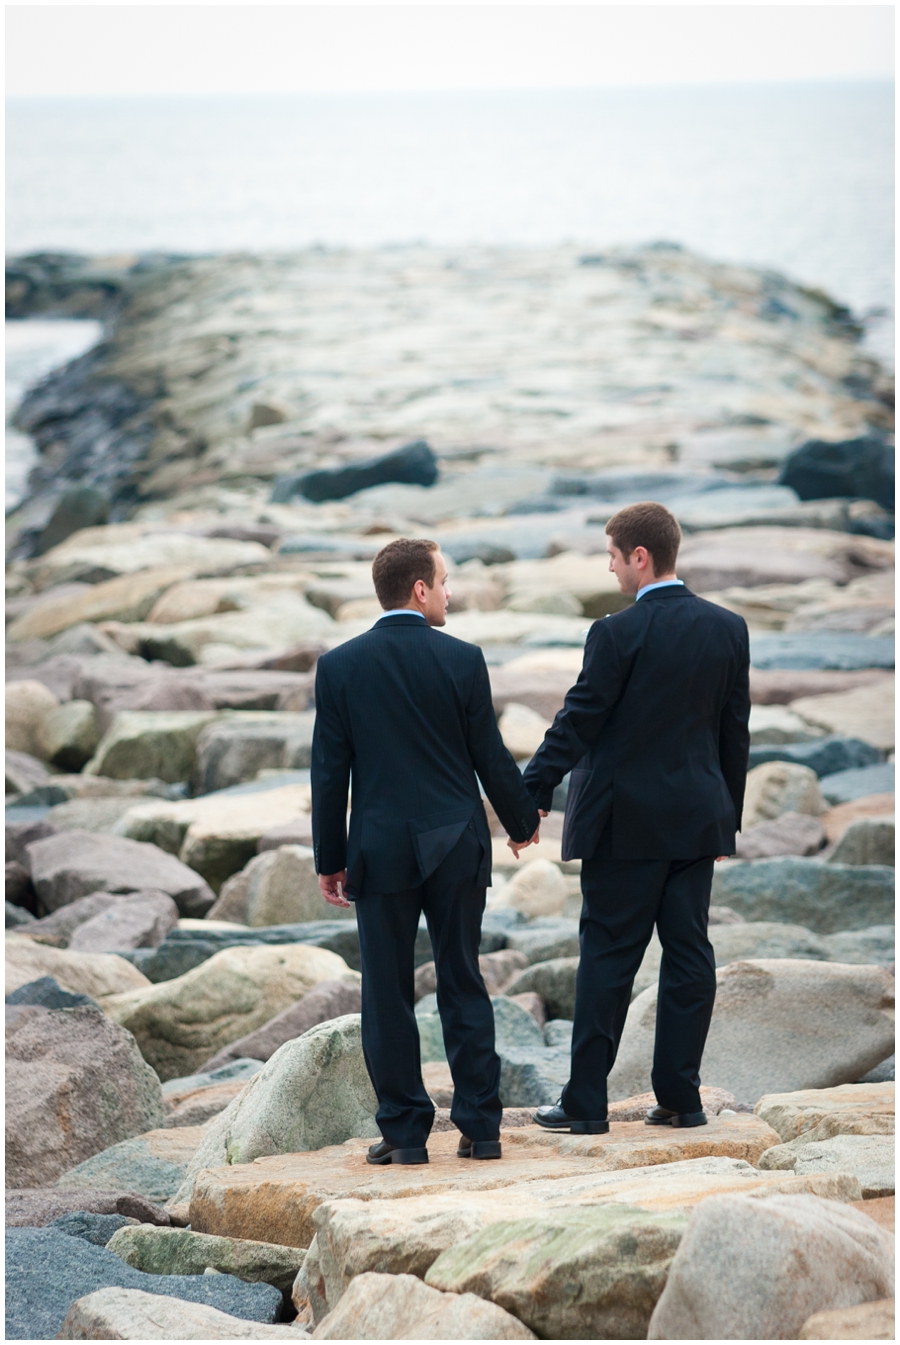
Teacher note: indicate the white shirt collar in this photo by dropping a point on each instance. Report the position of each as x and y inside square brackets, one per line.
[402, 611]
[662, 583]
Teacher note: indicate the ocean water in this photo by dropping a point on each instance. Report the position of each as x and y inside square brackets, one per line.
[795, 177]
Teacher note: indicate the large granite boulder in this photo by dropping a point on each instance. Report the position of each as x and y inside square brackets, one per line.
[862, 783]
[28, 705]
[397, 1307]
[150, 744]
[867, 840]
[74, 864]
[734, 943]
[777, 1025]
[413, 465]
[92, 974]
[237, 747]
[823, 897]
[554, 981]
[180, 1023]
[312, 1093]
[861, 468]
[864, 712]
[57, 928]
[178, 1251]
[789, 834]
[865, 1321]
[537, 889]
[284, 889]
[819, 1113]
[825, 756]
[126, 598]
[35, 1207]
[141, 920]
[75, 1084]
[152, 1164]
[869, 1157]
[133, 1314]
[69, 735]
[779, 787]
[38, 1302]
[330, 999]
[757, 1269]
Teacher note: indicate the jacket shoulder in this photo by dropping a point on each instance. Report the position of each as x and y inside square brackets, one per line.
[736, 624]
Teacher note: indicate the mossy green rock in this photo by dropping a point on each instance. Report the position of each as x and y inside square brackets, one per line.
[178, 1251]
[592, 1274]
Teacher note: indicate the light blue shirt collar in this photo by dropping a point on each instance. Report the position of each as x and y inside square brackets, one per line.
[402, 611]
[663, 583]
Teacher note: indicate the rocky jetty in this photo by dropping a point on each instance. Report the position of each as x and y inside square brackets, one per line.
[188, 1107]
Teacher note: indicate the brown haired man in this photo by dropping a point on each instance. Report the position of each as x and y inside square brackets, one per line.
[406, 711]
[655, 735]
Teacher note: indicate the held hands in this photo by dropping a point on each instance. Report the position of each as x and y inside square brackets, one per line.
[516, 846]
[332, 887]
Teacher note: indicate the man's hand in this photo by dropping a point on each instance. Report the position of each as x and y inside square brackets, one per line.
[516, 846]
[331, 886]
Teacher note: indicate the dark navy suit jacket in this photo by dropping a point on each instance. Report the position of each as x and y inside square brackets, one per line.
[405, 712]
[655, 732]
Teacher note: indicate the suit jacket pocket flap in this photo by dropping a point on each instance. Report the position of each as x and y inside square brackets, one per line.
[435, 836]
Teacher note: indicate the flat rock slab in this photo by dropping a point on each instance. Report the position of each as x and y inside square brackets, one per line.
[35, 1207]
[632, 1144]
[275, 1199]
[132, 1314]
[794, 1114]
[865, 1321]
[152, 1164]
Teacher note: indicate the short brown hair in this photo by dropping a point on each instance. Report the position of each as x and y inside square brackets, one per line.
[649, 525]
[399, 565]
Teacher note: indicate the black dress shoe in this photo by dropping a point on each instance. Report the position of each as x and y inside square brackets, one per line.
[661, 1116]
[478, 1148]
[554, 1118]
[388, 1153]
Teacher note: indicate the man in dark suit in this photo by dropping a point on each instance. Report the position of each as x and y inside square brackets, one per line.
[406, 712]
[655, 734]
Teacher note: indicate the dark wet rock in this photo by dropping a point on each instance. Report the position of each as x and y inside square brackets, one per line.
[19, 891]
[35, 1207]
[840, 652]
[861, 468]
[75, 863]
[79, 507]
[412, 465]
[844, 786]
[826, 756]
[94, 1228]
[47, 993]
[37, 1302]
[330, 999]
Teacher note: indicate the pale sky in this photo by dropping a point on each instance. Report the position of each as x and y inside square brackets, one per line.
[214, 48]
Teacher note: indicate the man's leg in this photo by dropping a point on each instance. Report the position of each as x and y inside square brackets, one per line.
[620, 903]
[454, 905]
[387, 935]
[687, 985]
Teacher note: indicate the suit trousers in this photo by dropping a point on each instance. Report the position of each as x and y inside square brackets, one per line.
[453, 904]
[623, 899]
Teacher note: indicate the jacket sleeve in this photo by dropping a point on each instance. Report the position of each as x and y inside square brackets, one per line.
[497, 771]
[734, 733]
[332, 754]
[587, 707]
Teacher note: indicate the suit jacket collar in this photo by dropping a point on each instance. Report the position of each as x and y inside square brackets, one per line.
[401, 619]
[666, 594]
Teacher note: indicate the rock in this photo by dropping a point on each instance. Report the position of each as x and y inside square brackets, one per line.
[522, 730]
[865, 1321]
[413, 465]
[78, 507]
[594, 1274]
[69, 735]
[95, 1228]
[24, 773]
[188, 947]
[780, 787]
[329, 999]
[395, 1307]
[128, 548]
[235, 749]
[57, 929]
[152, 1164]
[178, 1251]
[28, 705]
[312, 1093]
[21, 834]
[37, 1304]
[126, 598]
[139, 921]
[20, 893]
[133, 1314]
[238, 1071]
[868, 840]
[17, 916]
[789, 834]
[824, 897]
[284, 889]
[777, 1024]
[537, 889]
[837, 819]
[92, 974]
[75, 1084]
[758, 1268]
[298, 832]
[37, 1208]
[875, 944]
[76, 863]
[861, 468]
[869, 1157]
[199, 1105]
[780, 686]
[825, 756]
[824, 1111]
[847, 786]
[179, 1024]
[713, 1100]
[553, 980]
[865, 712]
[750, 939]
[775, 724]
[496, 970]
[48, 994]
[882, 1073]
[716, 560]
[150, 743]
[821, 650]
[89, 814]
[546, 938]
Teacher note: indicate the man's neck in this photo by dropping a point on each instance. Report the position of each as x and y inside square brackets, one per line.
[659, 579]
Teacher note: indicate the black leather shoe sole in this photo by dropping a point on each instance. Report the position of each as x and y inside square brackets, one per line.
[680, 1120]
[479, 1149]
[574, 1127]
[409, 1156]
